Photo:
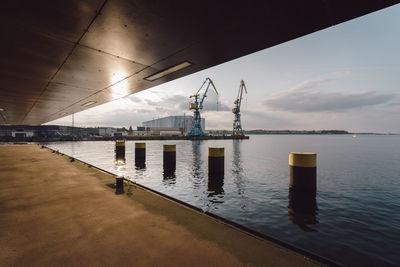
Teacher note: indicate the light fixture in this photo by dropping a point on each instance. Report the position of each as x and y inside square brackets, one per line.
[64, 113]
[89, 103]
[169, 70]
[1, 109]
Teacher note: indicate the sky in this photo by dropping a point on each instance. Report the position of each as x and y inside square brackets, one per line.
[346, 77]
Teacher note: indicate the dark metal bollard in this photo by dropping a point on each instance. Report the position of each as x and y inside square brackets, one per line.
[169, 158]
[215, 170]
[119, 185]
[303, 171]
[215, 184]
[120, 150]
[302, 189]
[140, 155]
[216, 160]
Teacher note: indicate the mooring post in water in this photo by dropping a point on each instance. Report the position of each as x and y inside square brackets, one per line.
[140, 153]
[120, 150]
[215, 161]
[303, 171]
[119, 185]
[303, 189]
[169, 158]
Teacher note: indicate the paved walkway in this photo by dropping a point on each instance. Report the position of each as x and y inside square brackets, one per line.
[57, 213]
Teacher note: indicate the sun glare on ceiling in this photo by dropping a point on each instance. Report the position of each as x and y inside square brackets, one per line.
[119, 86]
[89, 103]
[169, 70]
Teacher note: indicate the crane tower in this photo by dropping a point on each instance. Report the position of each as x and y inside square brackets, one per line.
[237, 125]
[197, 105]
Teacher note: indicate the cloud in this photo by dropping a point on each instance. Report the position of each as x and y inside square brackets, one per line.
[395, 104]
[182, 103]
[117, 118]
[213, 103]
[178, 103]
[251, 119]
[215, 107]
[309, 97]
[259, 119]
[134, 99]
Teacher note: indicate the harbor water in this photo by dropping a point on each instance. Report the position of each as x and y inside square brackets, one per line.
[354, 218]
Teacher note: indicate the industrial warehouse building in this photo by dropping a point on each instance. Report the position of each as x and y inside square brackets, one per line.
[173, 122]
[44, 131]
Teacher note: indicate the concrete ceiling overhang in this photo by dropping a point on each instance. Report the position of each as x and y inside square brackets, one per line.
[57, 56]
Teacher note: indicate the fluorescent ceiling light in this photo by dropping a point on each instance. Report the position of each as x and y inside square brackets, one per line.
[169, 70]
[89, 103]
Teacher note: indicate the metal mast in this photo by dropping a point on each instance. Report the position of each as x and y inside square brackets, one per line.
[197, 105]
[237, 125]
[73, 124]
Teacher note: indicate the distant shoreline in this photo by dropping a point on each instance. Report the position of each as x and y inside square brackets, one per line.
[300, 132]
[321, 134]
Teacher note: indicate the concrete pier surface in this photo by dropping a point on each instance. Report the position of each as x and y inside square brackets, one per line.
[54, 212]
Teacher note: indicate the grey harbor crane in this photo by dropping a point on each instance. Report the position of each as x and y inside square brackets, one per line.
[237, 124]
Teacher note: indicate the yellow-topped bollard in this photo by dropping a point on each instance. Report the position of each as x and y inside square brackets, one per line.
[140, 154]
[303, 171]
[169, 158]
[216, 160]
[120, 150]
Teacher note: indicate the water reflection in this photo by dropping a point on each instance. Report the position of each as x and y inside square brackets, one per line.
[237, 168]
[120, 166]
[197, 162]
[215, 185]
[140, 165]
[169, 178]
[120, 162]
[303, 209]
[169, 173]
[238, 172]
[215, 189]
[73, 144]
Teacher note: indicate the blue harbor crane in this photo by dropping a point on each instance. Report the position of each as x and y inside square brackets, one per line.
[197, 105]
[237, 125]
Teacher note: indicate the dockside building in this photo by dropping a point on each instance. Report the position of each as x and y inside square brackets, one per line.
[173, 122]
